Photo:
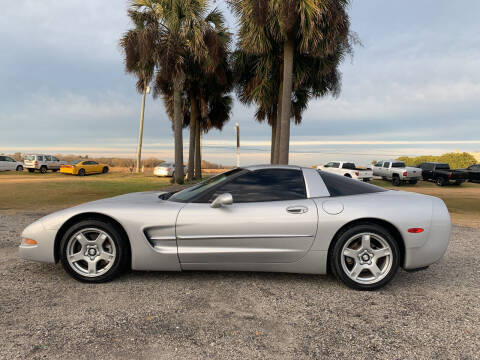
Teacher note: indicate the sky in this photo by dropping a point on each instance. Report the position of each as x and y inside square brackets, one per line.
[412, 88]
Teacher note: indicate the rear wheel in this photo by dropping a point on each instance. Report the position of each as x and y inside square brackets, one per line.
[19, 168]
[43, 169]
[413, 182]
[31, 170]
[94, 251]
[440, 181]
[396, 181]
[365, 257]
[105, 170]
[81, 172]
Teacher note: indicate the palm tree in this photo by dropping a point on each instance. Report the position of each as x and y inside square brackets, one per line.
[316, 29]
[139, 48]
[181, 25]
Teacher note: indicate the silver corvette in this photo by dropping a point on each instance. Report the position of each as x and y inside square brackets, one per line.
[257, 218]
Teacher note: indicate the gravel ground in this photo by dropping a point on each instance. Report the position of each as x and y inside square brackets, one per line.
[429, 314]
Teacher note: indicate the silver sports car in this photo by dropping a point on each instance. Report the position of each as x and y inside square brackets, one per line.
[257, 218]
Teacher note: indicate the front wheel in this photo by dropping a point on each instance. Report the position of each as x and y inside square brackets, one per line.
[440, 181]
[396, 181]
[81, 172]
[94, 251]
[19, 168]
[365, 257]
[105, 170]
[43, 169]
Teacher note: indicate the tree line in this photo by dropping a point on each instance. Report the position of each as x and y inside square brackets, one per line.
[287, 52]
[455, 160]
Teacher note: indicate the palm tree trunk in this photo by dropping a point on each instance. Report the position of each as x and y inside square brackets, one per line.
[140, 135]
[279, 120]
[274, 138]
[193, 137]
[288, 49]
[198, 152]
[178, 124]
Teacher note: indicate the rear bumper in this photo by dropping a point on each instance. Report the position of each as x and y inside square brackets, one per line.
[437, 241]
[67, 171]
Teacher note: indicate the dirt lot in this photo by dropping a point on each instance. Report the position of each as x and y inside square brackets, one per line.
[429, 314]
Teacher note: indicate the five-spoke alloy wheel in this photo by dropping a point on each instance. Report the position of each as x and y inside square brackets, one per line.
[365, 257]
[93, 251]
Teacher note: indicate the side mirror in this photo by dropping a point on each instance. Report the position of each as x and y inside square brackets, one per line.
[222, 199]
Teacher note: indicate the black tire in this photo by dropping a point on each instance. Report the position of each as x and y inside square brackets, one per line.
[396, 181]
[413, 182]
[81, 172]
[31, 170]
[384, 178]
[43, 169]
[55, 170]
[120, 263]
[105, 170]
[348, 176]
[459, 182]
[335, 255]
[19, 168]
[440, 181]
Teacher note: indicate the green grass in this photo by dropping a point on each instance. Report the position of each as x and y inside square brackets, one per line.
[23, 191]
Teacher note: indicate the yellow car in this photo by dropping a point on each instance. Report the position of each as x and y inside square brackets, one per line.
[84, 167]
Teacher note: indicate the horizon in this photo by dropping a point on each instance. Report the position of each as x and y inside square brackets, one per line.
[412, 89]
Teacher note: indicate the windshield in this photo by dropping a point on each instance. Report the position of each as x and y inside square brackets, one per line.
[188, 194]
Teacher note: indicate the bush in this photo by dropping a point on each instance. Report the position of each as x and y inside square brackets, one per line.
[455, 160]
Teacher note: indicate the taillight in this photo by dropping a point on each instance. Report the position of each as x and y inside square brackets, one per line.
[415, 230]
[36, 163]
[404, 173]
[449, 175]
[168, 169]
[357, 173]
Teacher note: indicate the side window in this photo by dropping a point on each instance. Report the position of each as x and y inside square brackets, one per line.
[264, 185]
[93, 163]
[2, 158]
[9, 159]
[39, 158]
[335, 165]
[48, 158]
[379, 164]
[330, 164]
[54, 158]
[386, 164]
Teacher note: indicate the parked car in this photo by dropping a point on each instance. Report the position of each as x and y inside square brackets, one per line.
[473, 172]
[347, 169]
[84, 167]
[7, 163]
[42, 162]
[397, 172]
[167, 169]
[442, 174]
[258, 218]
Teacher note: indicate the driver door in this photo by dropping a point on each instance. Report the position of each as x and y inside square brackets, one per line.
[270, 221]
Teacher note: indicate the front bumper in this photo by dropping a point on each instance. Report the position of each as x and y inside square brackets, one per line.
[161, 173]
[43, 251]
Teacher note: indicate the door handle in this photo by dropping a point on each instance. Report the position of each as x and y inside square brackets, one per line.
[297, 209]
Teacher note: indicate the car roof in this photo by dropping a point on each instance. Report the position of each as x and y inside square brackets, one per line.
[268, 166]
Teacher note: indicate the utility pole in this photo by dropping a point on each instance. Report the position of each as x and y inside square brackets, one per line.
[146, 90]
[237, 129]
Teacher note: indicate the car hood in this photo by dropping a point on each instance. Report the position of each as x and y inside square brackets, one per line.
[118, 207]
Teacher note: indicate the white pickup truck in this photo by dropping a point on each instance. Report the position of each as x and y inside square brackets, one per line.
[397, 172]
[347, 169]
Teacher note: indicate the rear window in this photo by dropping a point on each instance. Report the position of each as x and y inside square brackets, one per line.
[350, 166]
[343, 186]
[30, 157]
[442, 167]
[398, 164]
